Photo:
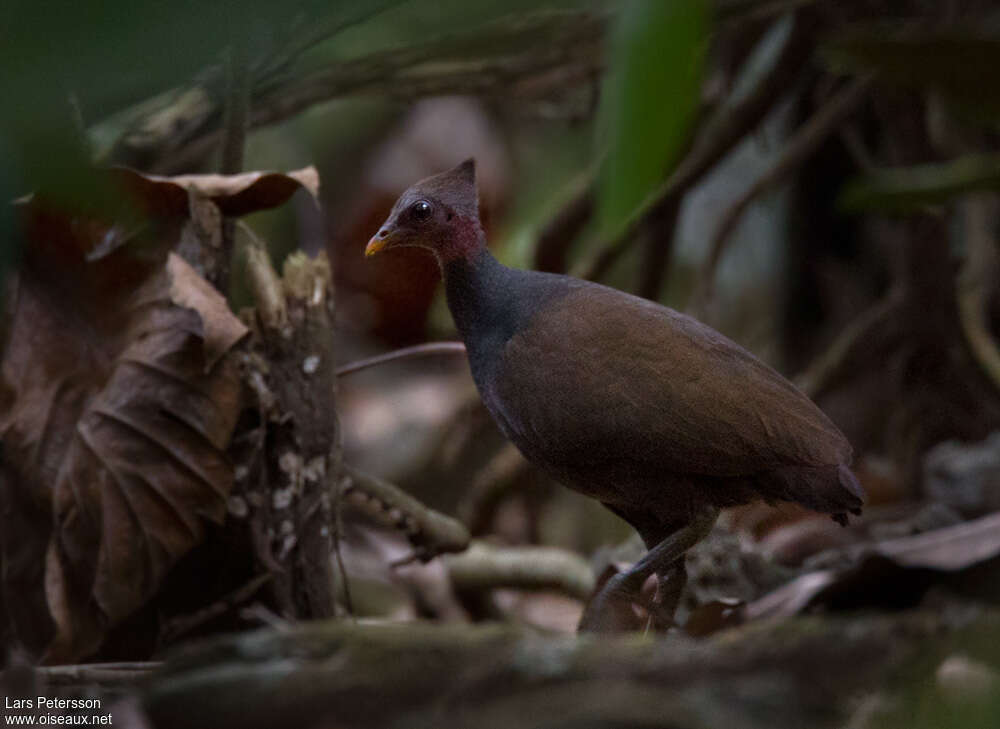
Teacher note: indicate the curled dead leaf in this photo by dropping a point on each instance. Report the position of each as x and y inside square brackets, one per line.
[235, 195]
[121, 404]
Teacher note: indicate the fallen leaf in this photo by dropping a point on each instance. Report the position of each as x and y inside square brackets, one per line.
[713, 616]
[952, 548]
[792, 598]
[892, 571]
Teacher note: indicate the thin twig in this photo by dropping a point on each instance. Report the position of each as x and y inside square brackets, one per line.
[336, 469]
[237, 111]
[182, 624]
[265, 616]
[658, 242]
[489, 487]
[418, 350]
[234, 134]
[338, 555]
[850, 136]
[555, 239]
[79, 124]
[306, 33]
[797, 150]
[871, 333]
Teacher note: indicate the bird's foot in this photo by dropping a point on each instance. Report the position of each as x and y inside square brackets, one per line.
[633, 601]
[611, 609]
[662, 606]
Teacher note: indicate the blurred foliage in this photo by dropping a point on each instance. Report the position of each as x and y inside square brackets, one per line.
[131, 59]
[405, 23]
[909, 189]
[649, 100]
[929, 700]
[963, 66]
[122, 53]
[538, 193]
[959, 66]
[125, 54]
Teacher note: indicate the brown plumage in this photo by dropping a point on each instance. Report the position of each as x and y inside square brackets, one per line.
[620, 395]
[658, 416]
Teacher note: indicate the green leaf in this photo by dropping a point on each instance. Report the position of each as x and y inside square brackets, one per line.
[905, 189]
[649, 100]
[962, 65]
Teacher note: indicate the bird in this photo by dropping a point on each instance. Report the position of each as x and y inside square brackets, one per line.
[659, 417]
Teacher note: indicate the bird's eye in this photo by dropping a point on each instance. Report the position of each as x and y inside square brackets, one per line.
[421, 210]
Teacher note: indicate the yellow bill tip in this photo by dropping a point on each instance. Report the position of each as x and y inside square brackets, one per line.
[375, 245]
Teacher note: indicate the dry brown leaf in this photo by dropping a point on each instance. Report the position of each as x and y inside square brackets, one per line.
[220, 329]
[121, 406]
[792, 598]
[889, 571]
[713, 616]
[235, 195]
[952, 548]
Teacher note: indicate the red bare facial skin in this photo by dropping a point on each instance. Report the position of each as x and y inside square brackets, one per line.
[440, 213]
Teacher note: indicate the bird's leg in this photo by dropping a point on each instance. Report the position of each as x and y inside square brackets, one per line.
[669, 586]
[609, 609]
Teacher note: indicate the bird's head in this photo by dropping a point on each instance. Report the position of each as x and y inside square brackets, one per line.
[440, 213]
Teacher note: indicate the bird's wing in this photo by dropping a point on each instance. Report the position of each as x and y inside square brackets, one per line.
[600, 376]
